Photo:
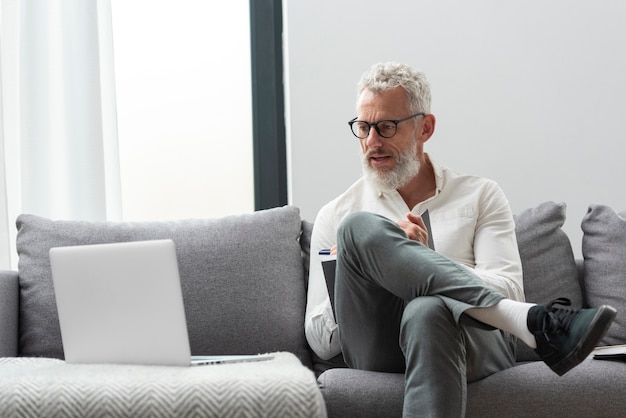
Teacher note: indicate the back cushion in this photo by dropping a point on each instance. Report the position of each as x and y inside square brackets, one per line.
[241, 276]
[547, 260]
[604, 252]
[546, 252]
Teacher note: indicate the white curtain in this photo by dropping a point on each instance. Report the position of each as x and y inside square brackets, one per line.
[58, 138]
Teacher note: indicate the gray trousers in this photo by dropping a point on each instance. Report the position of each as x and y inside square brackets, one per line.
[399, 308]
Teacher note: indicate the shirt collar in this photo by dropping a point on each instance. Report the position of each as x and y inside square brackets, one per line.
[438, 170]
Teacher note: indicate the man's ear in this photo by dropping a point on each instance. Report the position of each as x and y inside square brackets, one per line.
[426, 128]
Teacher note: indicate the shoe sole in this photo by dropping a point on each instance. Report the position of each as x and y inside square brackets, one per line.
[597, 329]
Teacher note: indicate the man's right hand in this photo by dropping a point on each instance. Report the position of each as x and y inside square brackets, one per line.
[414, 228]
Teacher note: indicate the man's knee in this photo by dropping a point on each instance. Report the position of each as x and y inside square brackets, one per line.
[427, 320]
[425, 311]
[360, 228]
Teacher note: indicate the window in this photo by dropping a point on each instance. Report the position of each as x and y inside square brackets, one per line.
[184, 108]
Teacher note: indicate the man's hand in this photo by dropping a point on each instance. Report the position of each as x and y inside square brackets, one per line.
[414, 228]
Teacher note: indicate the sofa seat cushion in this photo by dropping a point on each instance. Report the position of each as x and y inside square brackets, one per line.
[361, 393]
[530, 389]
[241, 276]
[594, 388]
[40, 387]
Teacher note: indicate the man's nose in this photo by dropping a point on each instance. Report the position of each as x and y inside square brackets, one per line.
[373, 138]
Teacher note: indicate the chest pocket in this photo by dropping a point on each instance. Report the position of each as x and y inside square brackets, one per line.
[453, 233]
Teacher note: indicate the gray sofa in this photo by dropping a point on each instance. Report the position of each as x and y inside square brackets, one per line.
[244, 285]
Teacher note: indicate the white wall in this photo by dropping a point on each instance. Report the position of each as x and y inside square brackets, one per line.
[529, 93]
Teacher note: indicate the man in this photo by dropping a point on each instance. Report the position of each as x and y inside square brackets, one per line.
[445, 316]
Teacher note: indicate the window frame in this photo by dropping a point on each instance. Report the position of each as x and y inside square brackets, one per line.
[268, 104]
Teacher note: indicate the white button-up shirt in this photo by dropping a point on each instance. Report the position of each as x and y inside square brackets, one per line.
[471, 223]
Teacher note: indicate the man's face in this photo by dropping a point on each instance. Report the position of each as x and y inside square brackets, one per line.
[389, 162]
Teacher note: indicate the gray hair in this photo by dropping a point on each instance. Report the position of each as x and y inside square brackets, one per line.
[388, 75]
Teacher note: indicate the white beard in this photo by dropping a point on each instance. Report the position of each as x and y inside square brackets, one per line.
[407, 167]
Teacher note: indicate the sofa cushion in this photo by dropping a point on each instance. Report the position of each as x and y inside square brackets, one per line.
[282, 387]
[547, 258]
[593, 389]
[241, 276]
[361, 393]
[604, 253]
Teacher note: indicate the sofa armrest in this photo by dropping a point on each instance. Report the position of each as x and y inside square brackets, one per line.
[9, 311]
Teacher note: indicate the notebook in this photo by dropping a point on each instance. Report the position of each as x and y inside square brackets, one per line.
[329, 264]
[122, 303]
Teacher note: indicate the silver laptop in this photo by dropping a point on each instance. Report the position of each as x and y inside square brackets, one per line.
[122, 303]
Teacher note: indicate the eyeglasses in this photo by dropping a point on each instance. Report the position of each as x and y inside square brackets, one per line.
[385, 128]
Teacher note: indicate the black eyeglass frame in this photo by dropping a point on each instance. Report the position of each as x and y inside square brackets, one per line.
[375, 125]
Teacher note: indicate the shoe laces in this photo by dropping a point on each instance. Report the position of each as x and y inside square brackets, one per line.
[557, 319]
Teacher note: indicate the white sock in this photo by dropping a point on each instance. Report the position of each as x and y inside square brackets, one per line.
[507, 315]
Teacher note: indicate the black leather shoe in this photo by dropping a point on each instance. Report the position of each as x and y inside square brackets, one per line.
[565, 337]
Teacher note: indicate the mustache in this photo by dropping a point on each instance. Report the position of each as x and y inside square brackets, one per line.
[371, 153]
